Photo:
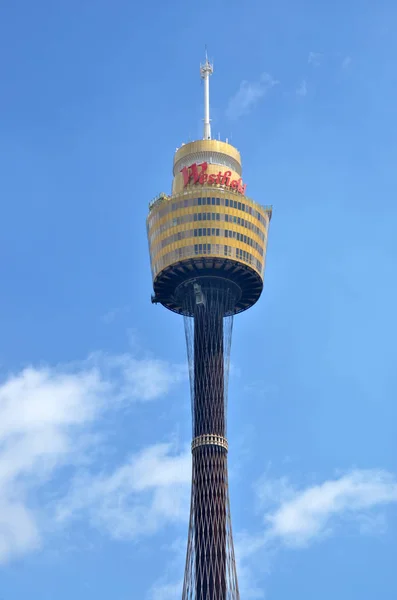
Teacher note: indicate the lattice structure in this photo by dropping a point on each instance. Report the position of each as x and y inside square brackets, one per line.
[208, 306]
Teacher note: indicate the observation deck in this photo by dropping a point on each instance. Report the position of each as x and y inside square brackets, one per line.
[207, 227]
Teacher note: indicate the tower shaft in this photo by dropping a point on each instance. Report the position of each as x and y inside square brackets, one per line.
[210, 462]
[210, 566]
[208, 401]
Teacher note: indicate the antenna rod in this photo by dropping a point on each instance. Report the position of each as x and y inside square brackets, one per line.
[205, 71]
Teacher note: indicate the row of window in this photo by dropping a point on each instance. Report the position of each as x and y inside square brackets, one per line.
[228, 251]
[170, 206]
[206, 216]
[207, 231]
[200, 250]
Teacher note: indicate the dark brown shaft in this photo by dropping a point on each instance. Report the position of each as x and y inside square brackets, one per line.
[209, 462]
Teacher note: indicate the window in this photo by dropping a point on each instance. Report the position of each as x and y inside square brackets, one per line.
[204, 216]
[199, 216]
[218, 202]
[239, 205]
[195, 217]
[226, 233]
[218, 217]
[200, 232]
[226, 202]
[195, 233]
[213, 216]
[243, 207]
[208, 216]
[235, 203]
[213, 231]
[213, 201]
[217, 232]
[208, 231]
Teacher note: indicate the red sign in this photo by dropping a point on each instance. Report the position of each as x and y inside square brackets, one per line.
[197, 174]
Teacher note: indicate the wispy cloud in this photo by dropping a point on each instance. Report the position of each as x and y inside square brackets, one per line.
[247, 547]
[296, 518]
[248, 95]
[346, 62]
[46, 418]
[138, 498]
[110, 316]
[166, 591]
[301, 90]
[315, 58]
[304, 516]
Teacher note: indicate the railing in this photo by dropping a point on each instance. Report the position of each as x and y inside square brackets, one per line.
[158, 199]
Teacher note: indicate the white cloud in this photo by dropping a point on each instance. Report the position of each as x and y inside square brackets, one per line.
[346, 62]
[306, 515]
[46, 415]
[113, 314]
[247, 547]
[315, 58]
[166, 591]
[301, 90]
[140, 379]
[137, 498]
[248, 95]
[295, 518]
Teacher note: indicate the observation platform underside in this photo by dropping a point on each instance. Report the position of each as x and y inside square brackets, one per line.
[247, 280]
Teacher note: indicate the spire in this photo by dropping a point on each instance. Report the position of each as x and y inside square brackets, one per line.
[205, 71]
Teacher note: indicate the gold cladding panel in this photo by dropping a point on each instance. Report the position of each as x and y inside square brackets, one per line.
[157, 239]
[207, 191]
[207, 146]
[208, 239]
[191, 210]
[160, 264]
[160, 260]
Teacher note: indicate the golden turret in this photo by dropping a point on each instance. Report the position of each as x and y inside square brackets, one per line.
[207, 227]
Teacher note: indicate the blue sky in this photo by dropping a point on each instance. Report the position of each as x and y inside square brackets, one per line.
[94, 402]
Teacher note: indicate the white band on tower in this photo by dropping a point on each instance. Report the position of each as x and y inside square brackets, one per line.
[205, 71]
[209, 439]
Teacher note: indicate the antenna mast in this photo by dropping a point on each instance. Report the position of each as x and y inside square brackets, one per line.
[205, 71]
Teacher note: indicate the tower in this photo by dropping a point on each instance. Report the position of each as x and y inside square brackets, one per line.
[207, 243]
